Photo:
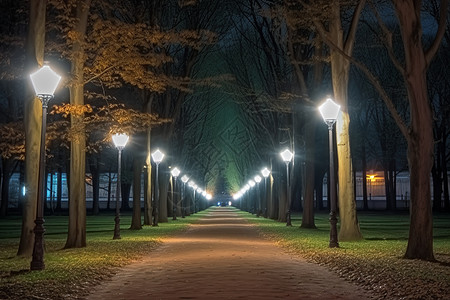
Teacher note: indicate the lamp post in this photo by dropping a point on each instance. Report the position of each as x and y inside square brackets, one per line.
[252, 201]
[197, 206]
[194, 201]
[258, 179]
[287, 156]
[329, 111]
[175, 172]
[265, 173]
[184, 179]
[120, 140]
[44, 81]
[157, 158]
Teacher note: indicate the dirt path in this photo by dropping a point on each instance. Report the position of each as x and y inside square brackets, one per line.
[224, 257]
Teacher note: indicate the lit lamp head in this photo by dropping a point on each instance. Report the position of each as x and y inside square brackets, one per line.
[329, 111]
[120, 140]
[257, 179]
[184, 178]
[157, 156]
[208, 197]
[199, 190]
[265, 172]
[286, 155]
[175, 172]
[45, 81]
[251, 183]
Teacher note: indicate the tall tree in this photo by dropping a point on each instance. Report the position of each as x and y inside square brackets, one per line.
[418, 132]
[32, 119]
[76, 236]
[330, 28]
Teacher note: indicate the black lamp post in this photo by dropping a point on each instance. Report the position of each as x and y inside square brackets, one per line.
[44, 81]
[184, 179]
[157, 158]
[258, 179]
[120, 140]
[175, 172]
[329, 111]
[265, 173]
[287, 156]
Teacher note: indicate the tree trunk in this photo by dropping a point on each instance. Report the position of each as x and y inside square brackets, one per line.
[32, 120]
[108, 202]
[308, 205]
[340, 66]
[6, 176]
[364, 175]
[163, 188]
[94, 167]
[59, 190]
[76, 236]
[125, 191]
[137, 171]
[444, 173]
[148, 187]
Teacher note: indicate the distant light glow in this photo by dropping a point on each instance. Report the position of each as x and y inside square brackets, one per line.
[265, 172]
[175, 172]
[184, 178]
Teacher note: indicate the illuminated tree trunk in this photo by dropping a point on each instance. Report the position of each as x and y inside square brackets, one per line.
[76, 236]
[349, 226]
[32, 120]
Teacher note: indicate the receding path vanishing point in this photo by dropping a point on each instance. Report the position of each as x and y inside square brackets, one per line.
[224, 257]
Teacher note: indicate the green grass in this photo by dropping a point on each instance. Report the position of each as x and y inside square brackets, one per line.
[376, 263]
[71, 271]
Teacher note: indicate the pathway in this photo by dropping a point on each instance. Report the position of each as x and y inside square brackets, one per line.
[224, 257]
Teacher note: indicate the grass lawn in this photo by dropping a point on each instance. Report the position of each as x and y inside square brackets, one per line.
[376, 262]
[69, 273]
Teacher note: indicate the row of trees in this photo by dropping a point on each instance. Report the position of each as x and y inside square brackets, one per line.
[220, 86]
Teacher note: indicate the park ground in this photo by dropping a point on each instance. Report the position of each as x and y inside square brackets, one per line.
[373, 268]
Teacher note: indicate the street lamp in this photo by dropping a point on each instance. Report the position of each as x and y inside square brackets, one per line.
[265, 173]
[157, 158]
[258, 194]
[184, 179]
[120, 140]
[44, 81]
[175, 172]
[287, 156]
[329, 111]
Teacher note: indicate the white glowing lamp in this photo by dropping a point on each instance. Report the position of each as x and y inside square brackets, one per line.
[184, 178]
[251, 183]
[157, 156]
[265, 172]
[175, 172]
[286, 155]
[329, 111]
[45, 81]
[257, 179]
[120, 140]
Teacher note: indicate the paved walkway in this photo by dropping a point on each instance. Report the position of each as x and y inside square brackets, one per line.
[224, 257]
